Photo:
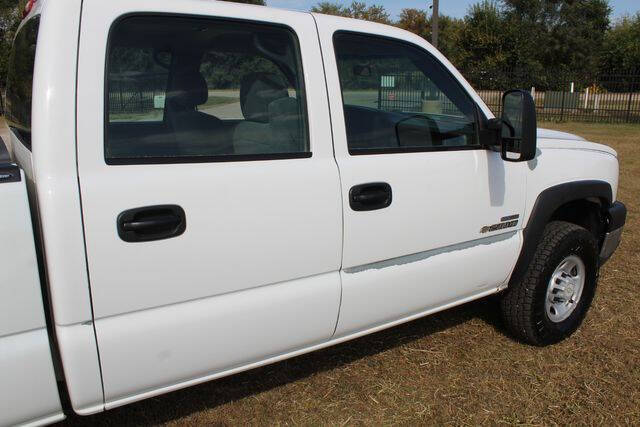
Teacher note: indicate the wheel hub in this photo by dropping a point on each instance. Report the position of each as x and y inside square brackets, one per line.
[565, 288]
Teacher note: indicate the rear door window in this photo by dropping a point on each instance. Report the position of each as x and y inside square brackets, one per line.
[137, 84]
[197, 90]
[20, 81]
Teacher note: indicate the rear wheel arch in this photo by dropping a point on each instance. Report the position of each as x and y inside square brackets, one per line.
[578, 202]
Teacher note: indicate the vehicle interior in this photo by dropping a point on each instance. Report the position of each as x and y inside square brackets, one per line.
[415, 103]
[256, 70]
[191, 88]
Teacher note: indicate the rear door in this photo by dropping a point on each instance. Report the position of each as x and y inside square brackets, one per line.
[211, 199]
[431, 217]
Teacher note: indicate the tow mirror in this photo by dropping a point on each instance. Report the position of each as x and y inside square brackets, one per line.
[517, 128]
[362, 70]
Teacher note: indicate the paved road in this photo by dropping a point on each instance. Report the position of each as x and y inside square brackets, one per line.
[4, 131]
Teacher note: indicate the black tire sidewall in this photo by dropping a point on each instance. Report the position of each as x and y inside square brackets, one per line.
[580, 243]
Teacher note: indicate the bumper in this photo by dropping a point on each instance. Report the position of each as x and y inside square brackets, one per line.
[616, 217]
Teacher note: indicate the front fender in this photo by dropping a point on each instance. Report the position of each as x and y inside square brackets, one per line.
[547, 202]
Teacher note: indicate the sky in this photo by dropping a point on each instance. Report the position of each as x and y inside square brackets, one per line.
[456, 8]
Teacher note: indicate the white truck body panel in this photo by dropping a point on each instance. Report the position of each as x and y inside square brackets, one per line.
[439, 207]
[53, 180]
[561, 161]
[27, 379]
[265, 236]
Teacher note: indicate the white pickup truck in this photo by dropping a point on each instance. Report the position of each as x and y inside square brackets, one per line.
[197, 188]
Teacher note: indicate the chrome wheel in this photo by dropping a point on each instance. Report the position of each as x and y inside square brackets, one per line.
[565, 288]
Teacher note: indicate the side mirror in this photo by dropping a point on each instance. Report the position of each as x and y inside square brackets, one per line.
[362, 70]
[518, 127]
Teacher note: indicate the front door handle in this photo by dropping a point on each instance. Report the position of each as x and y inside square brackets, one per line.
[370, 197]
[151, 223]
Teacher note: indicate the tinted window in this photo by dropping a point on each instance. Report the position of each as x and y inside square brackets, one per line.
[188, 89]
[137, 85]
[398, 97]
[20, 81]
[225, 86]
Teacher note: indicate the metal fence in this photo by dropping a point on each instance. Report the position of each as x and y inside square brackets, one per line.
[135, 94]
[412, 92]
[613, 98]
[608, 98]
[558, 97]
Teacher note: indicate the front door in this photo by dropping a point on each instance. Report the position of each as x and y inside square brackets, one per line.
[211, 201]
[431, 217]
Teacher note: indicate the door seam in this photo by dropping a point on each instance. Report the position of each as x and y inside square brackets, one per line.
[333, 149]
[84, 236]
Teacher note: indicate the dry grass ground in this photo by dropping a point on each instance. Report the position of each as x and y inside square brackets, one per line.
[457, 367]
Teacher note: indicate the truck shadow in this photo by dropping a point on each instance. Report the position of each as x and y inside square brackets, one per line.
[182, 403]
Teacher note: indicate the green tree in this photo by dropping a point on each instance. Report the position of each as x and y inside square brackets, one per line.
[565, 34]
[360, 10]
[10, 17]
[416, 21]
[419, 23]
[357, 10]
[621, 47]
[328, 8]
[482, 38]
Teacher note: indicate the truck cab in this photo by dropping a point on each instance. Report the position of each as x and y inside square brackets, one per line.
[199, 188]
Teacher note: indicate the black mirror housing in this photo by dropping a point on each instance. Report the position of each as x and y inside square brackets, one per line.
[518, 134]
[362, 70]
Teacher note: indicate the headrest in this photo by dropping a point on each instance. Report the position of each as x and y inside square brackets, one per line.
[257, 91]
[189, 90]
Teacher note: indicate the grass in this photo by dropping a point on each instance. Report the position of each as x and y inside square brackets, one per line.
[457, 367]
[214, 101]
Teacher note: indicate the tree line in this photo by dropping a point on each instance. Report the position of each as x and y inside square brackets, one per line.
[543, 39]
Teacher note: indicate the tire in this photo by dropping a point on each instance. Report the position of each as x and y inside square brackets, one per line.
[541, 313]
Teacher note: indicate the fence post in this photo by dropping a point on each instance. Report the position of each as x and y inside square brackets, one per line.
[629, 103]
[122, 108]
[564, 90]
[586, 98]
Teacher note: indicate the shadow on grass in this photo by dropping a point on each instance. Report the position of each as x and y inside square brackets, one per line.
[215, 393]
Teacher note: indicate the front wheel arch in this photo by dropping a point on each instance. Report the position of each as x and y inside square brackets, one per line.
[548, 203]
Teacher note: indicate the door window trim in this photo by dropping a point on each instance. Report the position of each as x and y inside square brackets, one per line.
[480, 117]
[151, 160]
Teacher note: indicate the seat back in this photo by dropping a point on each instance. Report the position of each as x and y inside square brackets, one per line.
[271, 117]
[196, 133]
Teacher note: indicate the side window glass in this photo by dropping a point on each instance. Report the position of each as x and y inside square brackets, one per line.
[225, 83]
[397, 97]
[20, 81]
[137, 84]
[198, 90]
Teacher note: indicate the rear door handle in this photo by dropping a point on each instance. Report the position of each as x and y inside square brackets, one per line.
[151, 223]
[370, 197]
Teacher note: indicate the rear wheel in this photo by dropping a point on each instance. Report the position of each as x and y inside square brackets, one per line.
[552, 299]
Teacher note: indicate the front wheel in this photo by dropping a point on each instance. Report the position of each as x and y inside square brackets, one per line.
[552, 299]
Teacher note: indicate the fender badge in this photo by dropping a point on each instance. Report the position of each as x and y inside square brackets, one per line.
[506, 222]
